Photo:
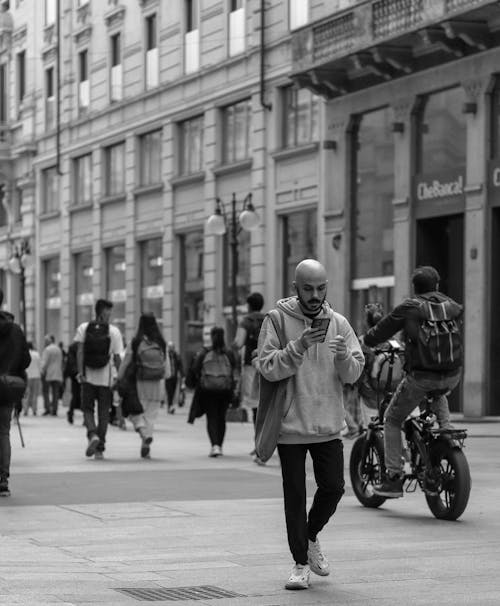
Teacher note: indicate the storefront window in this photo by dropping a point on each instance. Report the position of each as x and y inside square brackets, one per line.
[372, 268]
[152, 277]
[300, 239]
[84, 297]
[52, 297]
[191, 287]
[115, 284]
[243, 278]
[441, 132]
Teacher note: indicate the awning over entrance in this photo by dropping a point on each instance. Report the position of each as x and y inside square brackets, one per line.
[380, 40]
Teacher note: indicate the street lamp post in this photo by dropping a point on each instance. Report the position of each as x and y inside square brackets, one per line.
[247, 220]
[20, 260]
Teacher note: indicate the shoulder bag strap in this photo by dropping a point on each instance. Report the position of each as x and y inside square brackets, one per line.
[278, 327]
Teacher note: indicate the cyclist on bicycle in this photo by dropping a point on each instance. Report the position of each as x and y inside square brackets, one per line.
[421, 377]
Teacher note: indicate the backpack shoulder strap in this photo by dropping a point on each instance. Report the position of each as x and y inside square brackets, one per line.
[278, 319]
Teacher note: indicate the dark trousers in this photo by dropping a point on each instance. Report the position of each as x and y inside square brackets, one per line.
[170, 387]
[51, 391]
[104, 397]
[5, 418]
[216, 420]
[76, 395]
[328, 466]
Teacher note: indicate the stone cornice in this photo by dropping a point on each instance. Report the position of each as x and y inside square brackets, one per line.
[115, 17]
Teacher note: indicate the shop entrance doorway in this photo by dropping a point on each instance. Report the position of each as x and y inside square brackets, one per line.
[494, 399]
[440, 243]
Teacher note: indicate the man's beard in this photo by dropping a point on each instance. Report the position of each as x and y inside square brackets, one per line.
[317, 303]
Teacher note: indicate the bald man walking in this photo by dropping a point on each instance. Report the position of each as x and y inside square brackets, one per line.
[318, 361]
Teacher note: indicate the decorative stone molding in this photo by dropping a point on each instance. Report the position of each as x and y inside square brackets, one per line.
[402, 109]
[116, 16]
[83, 14]
[336, 127]
[49, 54]
[148, 4]
[474, 88]
[82, 36]
[49, 34]
[19, 36]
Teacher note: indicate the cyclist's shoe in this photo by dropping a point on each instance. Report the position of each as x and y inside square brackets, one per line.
[391, 487]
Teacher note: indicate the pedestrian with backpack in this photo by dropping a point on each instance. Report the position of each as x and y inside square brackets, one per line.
[100, 346]
[214, 369]
[431, 325]
[246, 339]
[145, 357]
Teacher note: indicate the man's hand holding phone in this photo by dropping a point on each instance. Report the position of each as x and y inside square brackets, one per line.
[316, 333]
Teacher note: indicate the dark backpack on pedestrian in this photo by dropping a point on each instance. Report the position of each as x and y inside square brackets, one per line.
[252, 325]
[150, 361]
[439, 339]
[216, 372]
[96, 345]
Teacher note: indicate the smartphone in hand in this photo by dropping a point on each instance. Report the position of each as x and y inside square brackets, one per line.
[322, 323]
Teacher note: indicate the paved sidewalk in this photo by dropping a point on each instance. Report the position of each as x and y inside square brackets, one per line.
[80, 550]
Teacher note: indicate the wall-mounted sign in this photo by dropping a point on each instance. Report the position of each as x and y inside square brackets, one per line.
[494, 183]
[118, 295]
[153, 292]
[85, 298]
[53, 303]
[430, 189]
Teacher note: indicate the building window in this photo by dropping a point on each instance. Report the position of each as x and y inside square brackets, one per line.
[115, 283]
[50, 100]
[192, 37]
[300, 241]
[372, 233]
[115, 169]
[52, 296]
[441, 132]
[50, 11]
[21, 76]
[191, 144]
[152, 70]
[116, 81]
[82, 168]
[17, 205]
[299, 13]
[192, 293]
[83, 80]
[236, 27]
[300, 117]
[84, 297]
[236, 127]
[152, 277]
[50, 190]
[150, 158]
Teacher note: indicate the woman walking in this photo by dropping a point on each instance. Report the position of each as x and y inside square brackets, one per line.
[214, 371]
[146, 352]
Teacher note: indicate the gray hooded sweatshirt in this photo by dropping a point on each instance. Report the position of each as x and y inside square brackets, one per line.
[314, 407]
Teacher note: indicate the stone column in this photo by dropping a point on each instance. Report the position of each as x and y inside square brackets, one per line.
[476, 251]
[402, 203]
[336, 192]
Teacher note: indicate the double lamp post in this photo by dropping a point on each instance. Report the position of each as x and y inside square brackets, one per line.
[221, 222]
[20, 259]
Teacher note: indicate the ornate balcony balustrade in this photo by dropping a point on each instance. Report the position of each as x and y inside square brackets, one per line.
[379, 40]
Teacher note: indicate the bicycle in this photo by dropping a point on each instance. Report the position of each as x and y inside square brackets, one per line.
[434, 458]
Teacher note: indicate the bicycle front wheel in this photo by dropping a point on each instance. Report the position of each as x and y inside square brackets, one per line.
[453, 482]
[366, 466]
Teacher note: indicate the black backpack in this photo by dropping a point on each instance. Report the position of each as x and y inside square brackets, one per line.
[96, 345]
[252, 325]
[439, 339]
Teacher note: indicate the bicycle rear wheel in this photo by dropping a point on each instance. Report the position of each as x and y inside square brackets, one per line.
[453, 482]
[366, 466]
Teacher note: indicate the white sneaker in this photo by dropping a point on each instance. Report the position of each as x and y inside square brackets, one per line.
[215, 451]
[299, 577]
[317, 561]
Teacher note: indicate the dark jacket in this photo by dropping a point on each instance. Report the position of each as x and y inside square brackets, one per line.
[405, 317]
[14, 351]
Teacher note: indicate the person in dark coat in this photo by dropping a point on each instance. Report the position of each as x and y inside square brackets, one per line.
[14, 359]
[70, 372]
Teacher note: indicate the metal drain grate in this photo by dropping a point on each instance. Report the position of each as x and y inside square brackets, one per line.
[177, 594]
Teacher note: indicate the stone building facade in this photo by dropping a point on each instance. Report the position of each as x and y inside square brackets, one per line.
[366, 133]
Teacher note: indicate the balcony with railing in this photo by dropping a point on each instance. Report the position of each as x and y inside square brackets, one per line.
[380, 40]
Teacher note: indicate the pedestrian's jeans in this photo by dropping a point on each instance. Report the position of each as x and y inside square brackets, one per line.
[328, 466]
[104, 398]
[51, 392]
[216, 420]
[409, 394]
[5, 418]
